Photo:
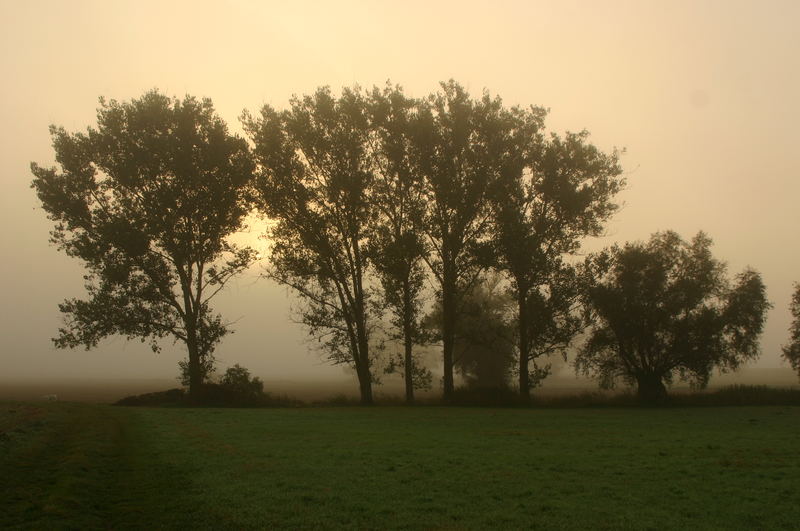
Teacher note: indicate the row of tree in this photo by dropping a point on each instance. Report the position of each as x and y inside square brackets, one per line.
[374, 199]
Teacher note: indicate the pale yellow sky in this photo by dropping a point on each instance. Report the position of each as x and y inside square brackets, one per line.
[704, 96]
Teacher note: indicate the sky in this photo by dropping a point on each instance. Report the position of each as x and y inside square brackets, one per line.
[703, 96]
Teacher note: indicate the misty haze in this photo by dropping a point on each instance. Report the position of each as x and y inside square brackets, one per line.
[451, 264]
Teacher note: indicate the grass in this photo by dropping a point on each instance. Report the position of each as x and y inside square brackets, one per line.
[72, 466]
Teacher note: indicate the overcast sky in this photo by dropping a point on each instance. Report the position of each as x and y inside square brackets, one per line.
[703, 95]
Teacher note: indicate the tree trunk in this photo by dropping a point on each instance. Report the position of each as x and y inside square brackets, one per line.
[363, 370]
[524, 348]
[409, 363]
[408, 342]
[651, 389]
[365, 386]
[195, 370]
[448, 337]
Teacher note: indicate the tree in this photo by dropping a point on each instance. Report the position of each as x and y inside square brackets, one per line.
[148, 200]
[455, 153]
[791, 352]
[314, 180]
[397, 246]
[550, 195]
[238, 381]
[483, 352]
[552, 319]
[484, 347]
[666, 309]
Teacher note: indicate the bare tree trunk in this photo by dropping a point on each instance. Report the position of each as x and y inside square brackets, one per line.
[363, 369]
[408, 341]
[365, 387]
[365, 384]
[524, 347]
[448, 336]
[651, 389]
[195, 369]
[409, 363]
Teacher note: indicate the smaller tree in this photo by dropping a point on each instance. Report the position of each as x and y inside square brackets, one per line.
[553, 320]
[791, 352]
[237, 379]
[484, 351]
[665, 309]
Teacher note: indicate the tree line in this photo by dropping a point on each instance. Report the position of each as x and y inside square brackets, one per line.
[377, 204]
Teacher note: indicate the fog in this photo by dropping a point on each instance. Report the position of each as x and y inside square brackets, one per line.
[702, 95]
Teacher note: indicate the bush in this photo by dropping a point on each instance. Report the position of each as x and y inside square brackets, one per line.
[236, 388]
[172, 397]
[238, 381]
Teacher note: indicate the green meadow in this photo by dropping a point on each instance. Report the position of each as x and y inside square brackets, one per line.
[79, 466]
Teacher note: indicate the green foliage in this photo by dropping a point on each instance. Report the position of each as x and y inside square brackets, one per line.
[147, 200]
[664, 310]
[791, 352]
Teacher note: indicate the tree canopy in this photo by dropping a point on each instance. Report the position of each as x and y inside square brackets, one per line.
[665, 309]
[791, 352]
[377, 202]
[552, 192]
[147, 200]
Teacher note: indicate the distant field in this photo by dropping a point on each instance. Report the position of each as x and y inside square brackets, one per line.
[81, 466]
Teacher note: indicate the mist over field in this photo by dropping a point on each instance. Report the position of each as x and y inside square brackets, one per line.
[306, 389]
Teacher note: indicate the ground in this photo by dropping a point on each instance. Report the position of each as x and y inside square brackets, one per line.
[79, 466]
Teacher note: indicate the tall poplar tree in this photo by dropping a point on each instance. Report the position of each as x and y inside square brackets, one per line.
[314, 179]
[459, 150]
[552, 193]
[397, 245]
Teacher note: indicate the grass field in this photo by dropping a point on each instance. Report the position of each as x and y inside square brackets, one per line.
[78, 466]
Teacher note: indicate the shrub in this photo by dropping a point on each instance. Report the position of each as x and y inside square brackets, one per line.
[238, 381]
[172, 397]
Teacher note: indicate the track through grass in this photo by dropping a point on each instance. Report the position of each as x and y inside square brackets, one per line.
[95, 467]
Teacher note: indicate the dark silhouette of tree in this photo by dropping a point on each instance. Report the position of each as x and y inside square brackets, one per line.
[483, 352]
[552, 319]
[665, 309]
[484, 346]
[147, 200]
[238, 380]
[314, 181]
[551, 194]
[457, 155]
[791, 352]
[397, 244]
